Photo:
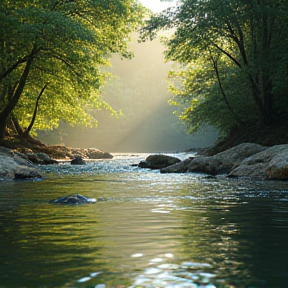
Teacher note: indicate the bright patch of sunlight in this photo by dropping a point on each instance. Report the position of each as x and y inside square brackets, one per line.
[157, 5]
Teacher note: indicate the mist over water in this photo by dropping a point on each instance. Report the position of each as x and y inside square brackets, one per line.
[139, 89]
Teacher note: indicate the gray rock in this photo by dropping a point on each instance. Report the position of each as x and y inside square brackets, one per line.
[33, 158]
[225, 161]
[180, 167]
[158, 161]
[246, 160]
[209, 165]
[39, 158]
[6, 151]
[278, 166]
[271, 163]
[91, 153]
[46, 159]
[15, 166]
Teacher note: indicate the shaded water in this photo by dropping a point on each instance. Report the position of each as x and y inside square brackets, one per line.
[146, 230]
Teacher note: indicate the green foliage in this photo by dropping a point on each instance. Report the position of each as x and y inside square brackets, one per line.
[200, 101]
[68, 43]
[235, 61]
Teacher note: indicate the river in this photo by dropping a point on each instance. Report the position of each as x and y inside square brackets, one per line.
[146, 230]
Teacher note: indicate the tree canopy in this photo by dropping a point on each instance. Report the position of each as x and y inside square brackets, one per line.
[234, 60]
[60, 45]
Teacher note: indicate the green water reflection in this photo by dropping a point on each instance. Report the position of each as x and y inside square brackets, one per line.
[148, 227]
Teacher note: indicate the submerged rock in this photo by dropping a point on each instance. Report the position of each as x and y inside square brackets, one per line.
[158, 161]
[74, 199]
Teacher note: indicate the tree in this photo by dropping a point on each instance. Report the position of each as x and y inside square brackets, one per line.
[241, 41]
[63, 44]
[28, 130]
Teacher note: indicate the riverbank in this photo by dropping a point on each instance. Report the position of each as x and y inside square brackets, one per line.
[258, 154]
[20, 156]
[32, 145]
[246, 160]
[275, 134]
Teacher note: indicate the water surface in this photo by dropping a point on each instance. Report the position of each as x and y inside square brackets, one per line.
[147, 229]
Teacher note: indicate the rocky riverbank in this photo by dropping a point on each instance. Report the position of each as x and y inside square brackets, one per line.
[31, 145]
[246, 160]
[19, 158]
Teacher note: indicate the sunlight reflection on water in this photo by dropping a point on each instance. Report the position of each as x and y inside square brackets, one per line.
[149, 230]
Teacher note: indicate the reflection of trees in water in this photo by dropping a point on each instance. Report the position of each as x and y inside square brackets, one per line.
[44, 243]
[241, 234]
[244, 238]
[263, 235]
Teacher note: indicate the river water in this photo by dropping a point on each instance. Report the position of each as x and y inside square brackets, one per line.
[146, 230]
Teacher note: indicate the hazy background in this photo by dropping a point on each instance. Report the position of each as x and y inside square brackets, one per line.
[158, 5]
[139, 88]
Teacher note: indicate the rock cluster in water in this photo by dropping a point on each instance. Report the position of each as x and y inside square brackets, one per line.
[63, 152]
[246, 160]
[25, 165]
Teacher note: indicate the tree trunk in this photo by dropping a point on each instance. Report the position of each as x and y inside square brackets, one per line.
[27, 131]
[2, 129]
[12, 101]
[16, 125]
[215, 66]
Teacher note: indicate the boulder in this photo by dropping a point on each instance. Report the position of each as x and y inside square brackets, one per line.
[278, 167]
[60, 152]
[271, 163]
[90, 153]
[225, 161]
[15, 166]
[93, 153]
[180, 167]
[40, 158]
[158, 161]
[6, 151]
[78, 161]
[208, 165]
[245, 160]
[32, 157]
[46, 159]
[78, 152]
